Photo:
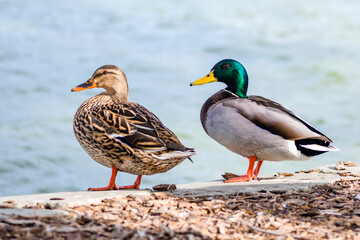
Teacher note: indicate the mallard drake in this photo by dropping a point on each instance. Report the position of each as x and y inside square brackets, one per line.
[124, 135]
[253, 126]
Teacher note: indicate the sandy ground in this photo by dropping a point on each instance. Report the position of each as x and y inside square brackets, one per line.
[321, 212]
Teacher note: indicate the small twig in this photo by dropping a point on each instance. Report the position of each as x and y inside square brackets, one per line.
[264, 231]
[270, 233]
[275, 234]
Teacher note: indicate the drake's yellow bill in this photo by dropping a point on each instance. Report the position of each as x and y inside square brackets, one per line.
[207, 79]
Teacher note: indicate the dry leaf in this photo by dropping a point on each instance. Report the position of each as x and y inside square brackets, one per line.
[164, 187]
[228, 175]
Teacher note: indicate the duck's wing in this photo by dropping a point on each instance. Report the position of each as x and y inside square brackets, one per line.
[165, 134]
[275, 118]
[137, 127]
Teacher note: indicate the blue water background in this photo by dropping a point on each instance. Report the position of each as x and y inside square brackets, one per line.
[305, 56]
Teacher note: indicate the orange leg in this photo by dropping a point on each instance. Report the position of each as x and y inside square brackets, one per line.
[251, 174]
[257, 169]
[112, 185]
[135, 186]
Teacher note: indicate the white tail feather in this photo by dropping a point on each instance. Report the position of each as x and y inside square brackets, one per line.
[320, 148]
[175, 154]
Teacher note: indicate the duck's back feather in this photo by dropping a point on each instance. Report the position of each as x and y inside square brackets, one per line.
[274, 106]
[133, 124]
[266, 114]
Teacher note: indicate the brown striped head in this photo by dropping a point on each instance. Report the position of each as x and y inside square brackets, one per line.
[109, 77]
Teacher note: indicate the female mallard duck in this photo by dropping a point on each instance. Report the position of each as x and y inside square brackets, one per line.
[253, 126]
[123, 135]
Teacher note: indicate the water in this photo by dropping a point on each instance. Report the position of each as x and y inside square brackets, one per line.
[303, 56]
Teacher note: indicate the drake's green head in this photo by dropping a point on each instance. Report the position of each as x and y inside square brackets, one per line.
[230, 72]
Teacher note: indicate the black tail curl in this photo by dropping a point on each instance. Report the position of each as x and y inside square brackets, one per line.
[310, 152]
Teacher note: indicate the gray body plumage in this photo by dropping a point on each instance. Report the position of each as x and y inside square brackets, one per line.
[256, 126]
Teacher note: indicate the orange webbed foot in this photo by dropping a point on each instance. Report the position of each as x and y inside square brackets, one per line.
[111, 185]
[108, 188]
[251, 173]
[135, 186]
[128, 187]
[242, 178]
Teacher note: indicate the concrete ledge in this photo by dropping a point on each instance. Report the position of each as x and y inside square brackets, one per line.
[302, 180]
[52, 200]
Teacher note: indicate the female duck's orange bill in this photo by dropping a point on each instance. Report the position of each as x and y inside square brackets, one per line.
[86, 85]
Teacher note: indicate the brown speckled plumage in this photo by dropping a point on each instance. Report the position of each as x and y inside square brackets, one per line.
[122, 134]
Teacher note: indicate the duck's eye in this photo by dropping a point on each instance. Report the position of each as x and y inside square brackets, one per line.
[225, 66]
[105, 72]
